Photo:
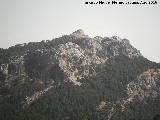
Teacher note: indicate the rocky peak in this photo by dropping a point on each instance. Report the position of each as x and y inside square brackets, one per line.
[79, 33]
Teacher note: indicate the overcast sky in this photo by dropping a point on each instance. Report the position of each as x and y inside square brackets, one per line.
[35, 20]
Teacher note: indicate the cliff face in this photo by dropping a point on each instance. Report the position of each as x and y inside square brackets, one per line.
[97, 77]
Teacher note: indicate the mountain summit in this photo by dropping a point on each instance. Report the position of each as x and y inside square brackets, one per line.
[79, 33]
[78, 77]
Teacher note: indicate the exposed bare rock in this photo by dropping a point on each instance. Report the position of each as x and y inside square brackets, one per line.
[71, 59]
[146, 86]
[35, 96]
[79, 33]
[101, 106]
[4, 68]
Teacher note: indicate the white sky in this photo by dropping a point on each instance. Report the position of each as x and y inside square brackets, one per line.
[35, 20]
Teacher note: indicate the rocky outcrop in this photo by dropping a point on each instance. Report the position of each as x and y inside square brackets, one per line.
[4, 68]
[147, 85]
[101, 106]
[35, 96]
[72, 61]
[79, 34]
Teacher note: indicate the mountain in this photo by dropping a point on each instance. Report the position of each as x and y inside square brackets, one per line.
[75, 77]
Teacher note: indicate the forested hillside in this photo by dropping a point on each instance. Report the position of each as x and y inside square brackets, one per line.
[76, 77]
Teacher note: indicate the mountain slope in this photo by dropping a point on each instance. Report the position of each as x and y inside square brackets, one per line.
[77, 77]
